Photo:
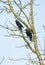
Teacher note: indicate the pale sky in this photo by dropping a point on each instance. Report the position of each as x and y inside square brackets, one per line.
[8, 44]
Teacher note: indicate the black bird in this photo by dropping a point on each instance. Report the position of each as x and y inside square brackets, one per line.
[20, 26]
[29, 34]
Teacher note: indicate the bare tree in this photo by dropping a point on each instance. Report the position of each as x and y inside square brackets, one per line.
[21, 12]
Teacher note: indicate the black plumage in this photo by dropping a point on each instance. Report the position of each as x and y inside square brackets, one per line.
[29, 34]
[20, 26]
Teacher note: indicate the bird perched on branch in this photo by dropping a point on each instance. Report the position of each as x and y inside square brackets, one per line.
[20, 26]
[29, 34]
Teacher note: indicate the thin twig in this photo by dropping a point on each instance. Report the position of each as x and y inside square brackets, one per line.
[2, 60]
[21, 10]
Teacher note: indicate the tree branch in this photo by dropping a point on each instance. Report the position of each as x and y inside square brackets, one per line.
[16, 15]
[21, 10]
[34, 35]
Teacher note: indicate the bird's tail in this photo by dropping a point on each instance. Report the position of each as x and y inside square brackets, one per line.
[30, 39]
[20, 30]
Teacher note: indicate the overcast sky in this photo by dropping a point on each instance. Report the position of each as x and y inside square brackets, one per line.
[8, 44]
